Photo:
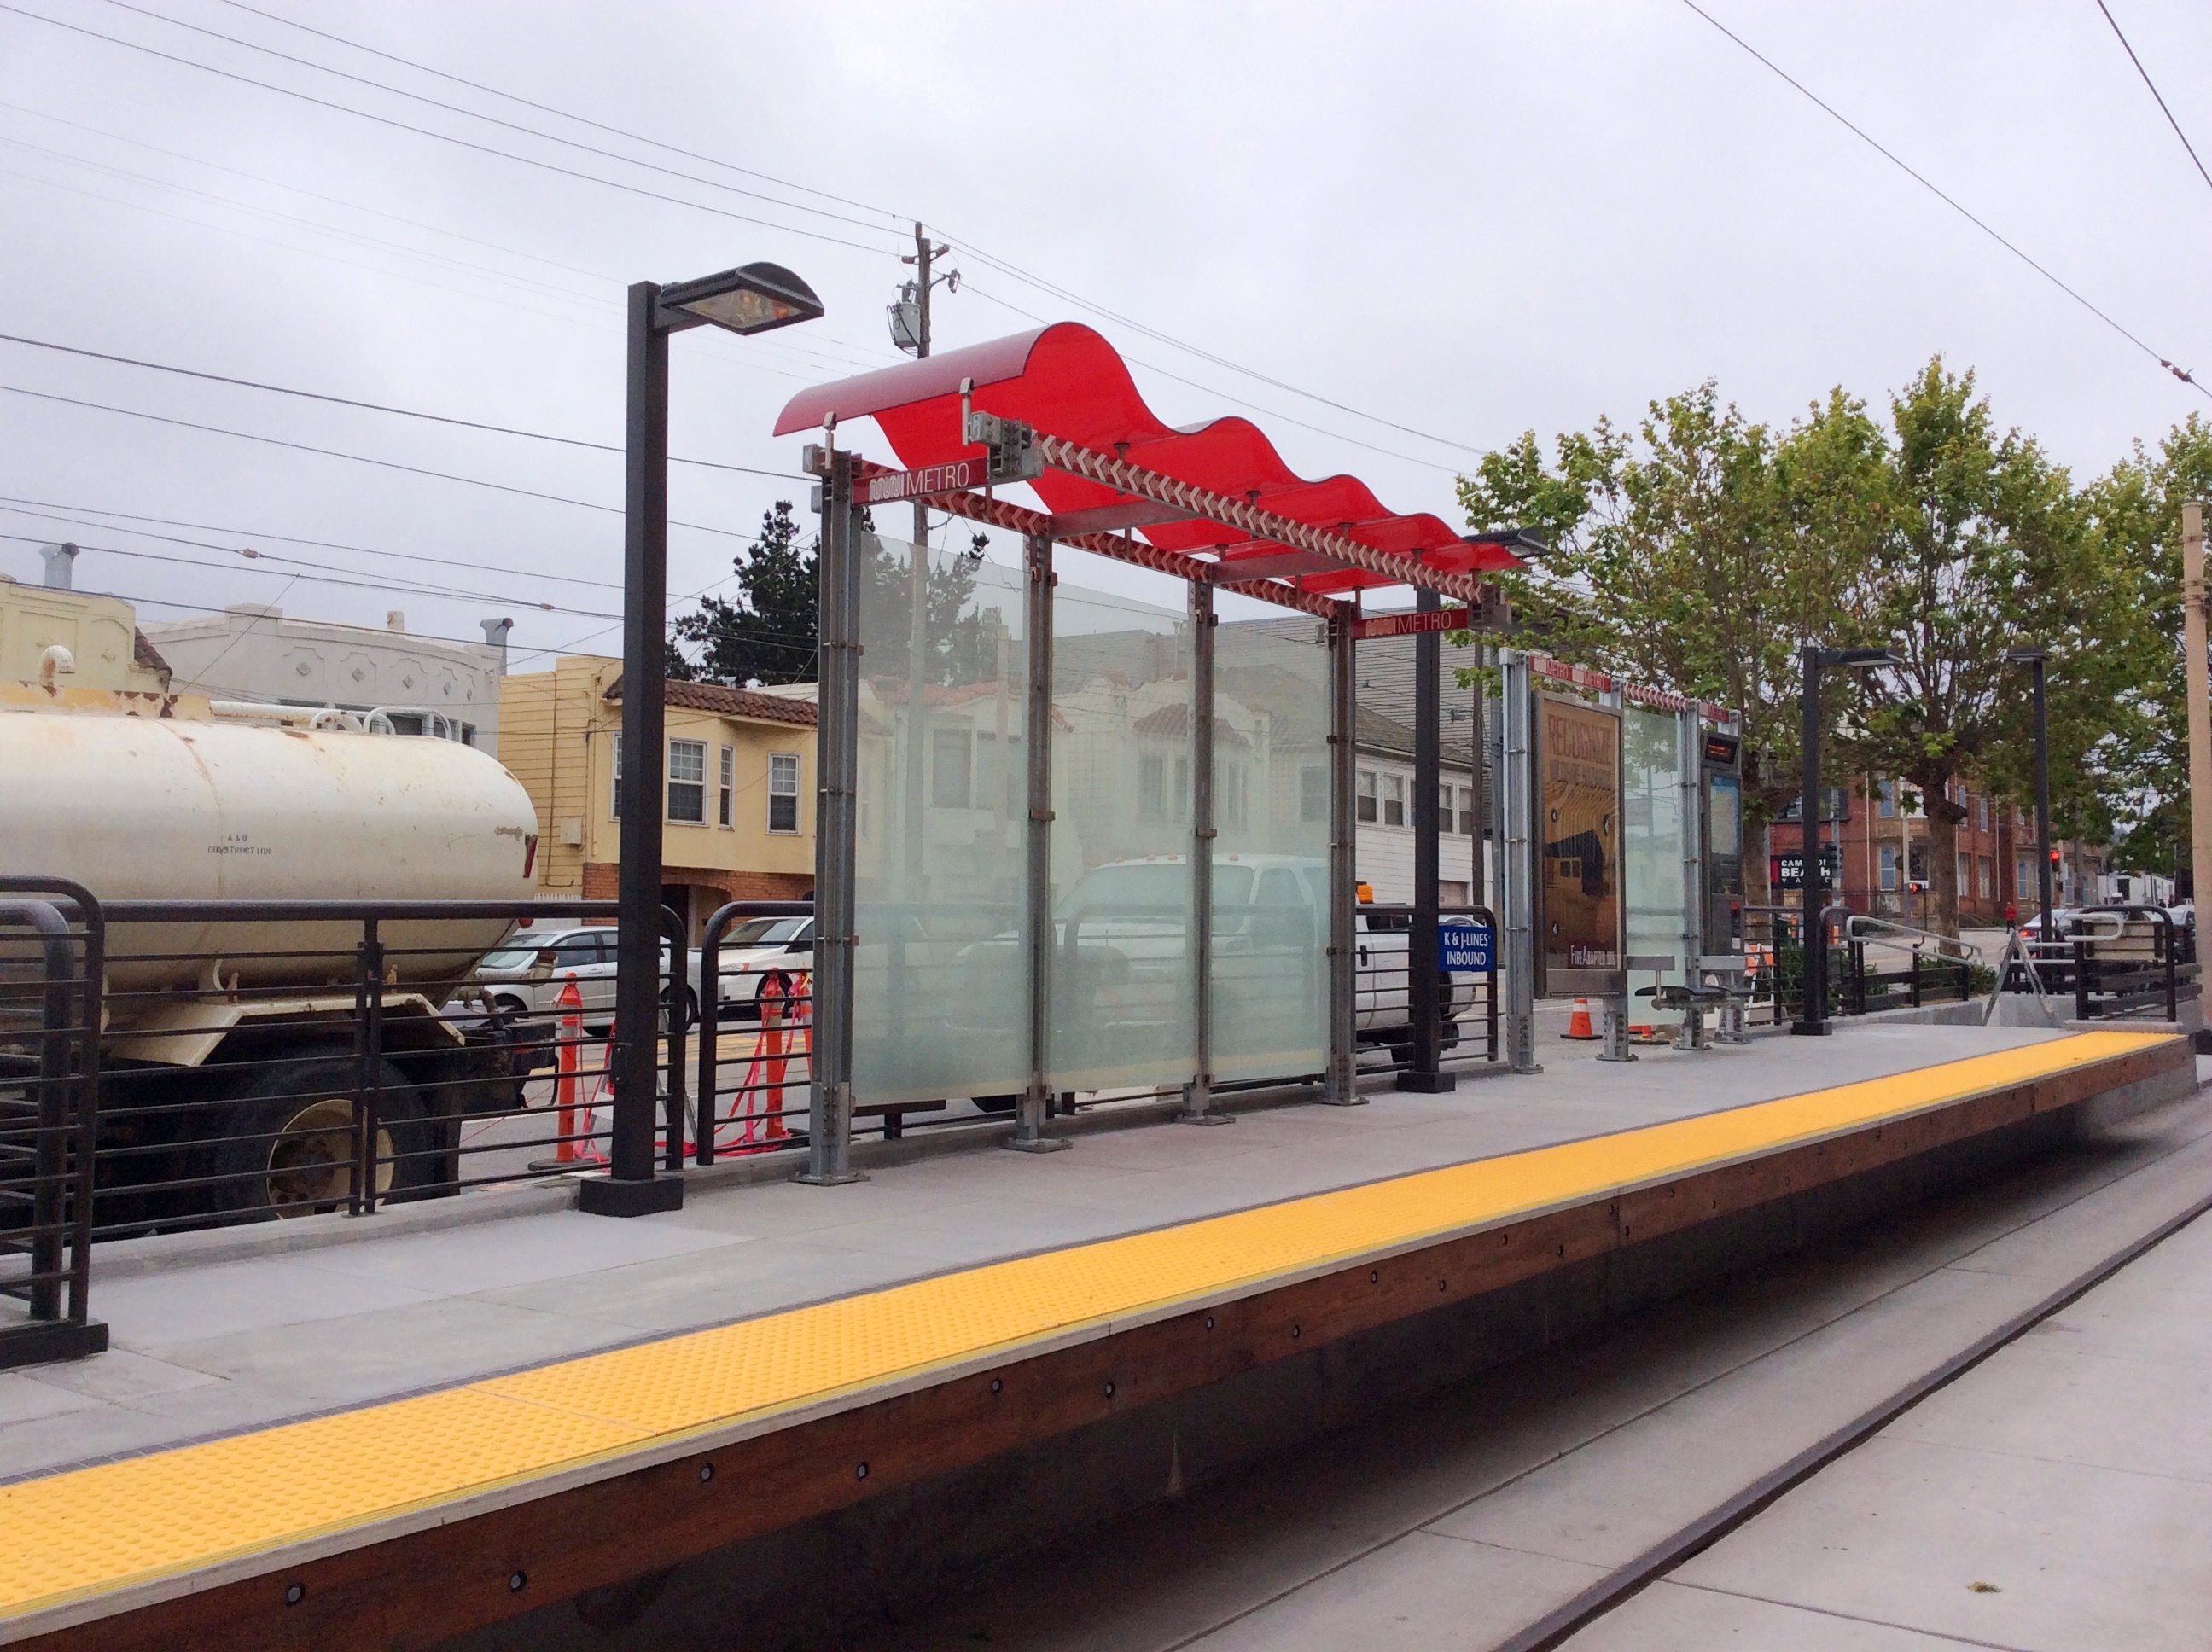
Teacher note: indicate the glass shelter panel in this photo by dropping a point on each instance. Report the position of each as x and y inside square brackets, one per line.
[1653, 846]
[1270, 998]
[1120, 841]
[939, 989]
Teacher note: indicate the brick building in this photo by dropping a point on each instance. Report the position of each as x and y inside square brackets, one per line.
[1879, 831]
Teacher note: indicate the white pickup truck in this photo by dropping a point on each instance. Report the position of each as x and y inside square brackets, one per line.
[1271, 930]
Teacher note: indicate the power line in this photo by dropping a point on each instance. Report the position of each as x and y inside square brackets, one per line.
[358, 459]
[446, 137]
[370, 407]
[564, 114]
[389, 588]
[90, 516]
[2162, 109]
[970, 248]
[491, 120]
[1890, 155]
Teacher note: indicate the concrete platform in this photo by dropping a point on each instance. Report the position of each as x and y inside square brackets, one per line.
[224, 1348]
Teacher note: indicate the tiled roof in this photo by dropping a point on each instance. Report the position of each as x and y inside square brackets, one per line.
[732, 702]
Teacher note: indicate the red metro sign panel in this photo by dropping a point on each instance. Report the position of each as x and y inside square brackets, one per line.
[1413, 624]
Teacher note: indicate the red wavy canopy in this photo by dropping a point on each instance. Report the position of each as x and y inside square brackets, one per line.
[1067, 381]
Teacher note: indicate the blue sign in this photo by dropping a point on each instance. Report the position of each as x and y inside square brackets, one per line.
[1464, 946]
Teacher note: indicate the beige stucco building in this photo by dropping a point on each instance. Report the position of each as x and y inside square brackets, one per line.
[100, 633]
[739, 799]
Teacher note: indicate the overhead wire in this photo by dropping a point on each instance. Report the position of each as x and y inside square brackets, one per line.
[2152, 85]
[90, 516]
[1949, 200]
[430, 132]
[490, 120]
[970, 246]
[359, 458]
[371, 407]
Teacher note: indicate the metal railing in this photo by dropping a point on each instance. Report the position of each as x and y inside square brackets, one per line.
[49, 1101]
[1467, 1000]
[270, 1059]
[2147, 964]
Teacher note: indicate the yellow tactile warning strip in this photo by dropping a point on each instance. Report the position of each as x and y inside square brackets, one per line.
[98, 1530]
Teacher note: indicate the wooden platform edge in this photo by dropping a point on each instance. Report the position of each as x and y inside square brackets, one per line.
[480, 1568]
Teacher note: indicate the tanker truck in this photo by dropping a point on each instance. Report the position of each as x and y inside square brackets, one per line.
[228, 1047]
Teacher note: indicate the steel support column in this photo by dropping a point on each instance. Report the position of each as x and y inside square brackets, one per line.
[630, 1188]
[837, 769]
[1690, 773]
[1038, 934]
[1341, 1088]
[1478, 746]
[1422, 957]
[1198, 932]
[1516, 794]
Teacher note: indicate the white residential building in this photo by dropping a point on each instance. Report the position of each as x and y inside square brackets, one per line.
[256, 653]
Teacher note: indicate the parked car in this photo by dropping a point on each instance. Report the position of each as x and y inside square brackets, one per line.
[748, 951]
[524, 975]
[1119, 930]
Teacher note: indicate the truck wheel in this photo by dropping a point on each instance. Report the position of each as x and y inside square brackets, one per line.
[998, 1106]
[287, 1146]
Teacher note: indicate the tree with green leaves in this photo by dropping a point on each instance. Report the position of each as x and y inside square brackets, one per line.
[2135, 510]
[767, 633]
[1677, 559]
[1966, 542]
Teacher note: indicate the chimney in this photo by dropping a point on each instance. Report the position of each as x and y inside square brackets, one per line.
[496, 632]
[395, 621]
[61, 560]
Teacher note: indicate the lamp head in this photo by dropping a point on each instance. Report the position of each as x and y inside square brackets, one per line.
[2025, 656]
[1857, 660]
[753, 298]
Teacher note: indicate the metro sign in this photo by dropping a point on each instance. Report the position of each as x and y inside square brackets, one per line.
[956, 475]
[1413, 624]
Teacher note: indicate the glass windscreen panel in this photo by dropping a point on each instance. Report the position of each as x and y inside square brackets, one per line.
[1121, 1016]
[1270, 981]
[939, 988]
[1652, 847]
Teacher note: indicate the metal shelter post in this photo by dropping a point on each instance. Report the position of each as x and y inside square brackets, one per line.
[836, 768]
[1422, 959]
[630, 1188]
[1690, 760]
[1516, 781]
[1198, 933]
[1037, 934]
[1478, 746]
[1341, 1088]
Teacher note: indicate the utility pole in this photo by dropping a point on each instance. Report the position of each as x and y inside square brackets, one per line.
[2200, 709]
[918, 599]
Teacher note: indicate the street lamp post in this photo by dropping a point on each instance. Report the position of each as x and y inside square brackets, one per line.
[754, 299]
[1813, 1018]
[2034, 658]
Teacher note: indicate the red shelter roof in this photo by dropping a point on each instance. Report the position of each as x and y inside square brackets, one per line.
[1066, 380]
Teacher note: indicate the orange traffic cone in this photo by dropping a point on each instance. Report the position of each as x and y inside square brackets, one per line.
[1578, 1026]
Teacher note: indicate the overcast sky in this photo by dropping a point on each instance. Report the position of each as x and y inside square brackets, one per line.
[1466, 221]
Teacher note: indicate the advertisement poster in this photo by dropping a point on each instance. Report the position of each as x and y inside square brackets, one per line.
[1578, 750]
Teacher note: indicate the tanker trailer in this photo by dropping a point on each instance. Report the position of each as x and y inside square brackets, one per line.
[228, 1048]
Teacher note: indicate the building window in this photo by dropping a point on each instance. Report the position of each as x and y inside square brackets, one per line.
[1152, 788]
[726, 797]
[1885, 806]
[614, 809]
[783, 791]
[2023, 877]
[1889, 865]
[1965, 868]
[1232, 794]
[1981, 810]
[952, 783]
[687, 782]
[1394, 800]
[1985, 873]
[988, 785]
[1179, 798]
[1467, 811]
[1365, 806]
[1313, 793]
